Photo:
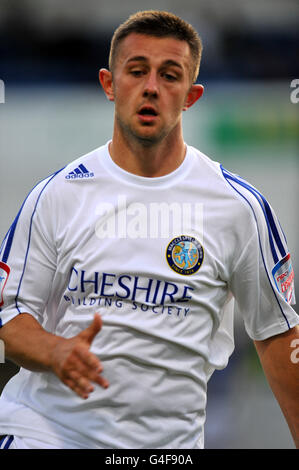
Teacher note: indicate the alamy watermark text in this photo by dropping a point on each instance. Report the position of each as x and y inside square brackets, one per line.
[295, 93]
[295, 353]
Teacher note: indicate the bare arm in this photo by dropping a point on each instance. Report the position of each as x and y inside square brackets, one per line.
[30, 346]
[282, 373]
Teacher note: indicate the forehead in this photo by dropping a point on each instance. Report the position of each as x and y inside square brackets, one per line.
[154, 49]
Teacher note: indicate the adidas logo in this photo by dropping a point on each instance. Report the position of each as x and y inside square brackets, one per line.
[79, 172]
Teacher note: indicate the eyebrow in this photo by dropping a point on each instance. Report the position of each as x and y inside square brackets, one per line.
[141, 58]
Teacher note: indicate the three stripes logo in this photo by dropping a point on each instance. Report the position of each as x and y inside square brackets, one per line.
[80, 172]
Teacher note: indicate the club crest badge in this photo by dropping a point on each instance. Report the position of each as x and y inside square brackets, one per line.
[185, 255]
[4, 273]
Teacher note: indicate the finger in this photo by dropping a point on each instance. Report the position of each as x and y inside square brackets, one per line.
[89, 366]
[81, 392]
[102, 381]
[87, 359]
[83, 385]
[94, 375]
[73, 385]
[92, 330]
[79, 384]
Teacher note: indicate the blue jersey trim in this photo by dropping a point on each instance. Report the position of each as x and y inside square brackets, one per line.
[272, 228]
[260, 244]
[29, 236]
[9, 441]
[10, 234]
[4, 241]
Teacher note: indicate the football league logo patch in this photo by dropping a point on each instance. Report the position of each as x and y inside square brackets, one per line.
[185, 255]
[283, 274]
[4, 273]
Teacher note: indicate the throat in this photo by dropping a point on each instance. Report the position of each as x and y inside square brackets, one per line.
[147, 160]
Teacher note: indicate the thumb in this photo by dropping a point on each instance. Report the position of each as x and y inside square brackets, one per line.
[92, 330]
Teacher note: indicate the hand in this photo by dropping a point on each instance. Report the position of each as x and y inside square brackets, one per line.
[75, 365]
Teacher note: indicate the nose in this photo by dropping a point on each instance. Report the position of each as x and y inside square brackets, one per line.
[151, 85]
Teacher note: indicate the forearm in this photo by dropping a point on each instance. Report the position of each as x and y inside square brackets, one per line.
[30, 346]
[27, 343]
[283, 375]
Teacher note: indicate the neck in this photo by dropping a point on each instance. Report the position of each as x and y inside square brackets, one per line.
[144, 159]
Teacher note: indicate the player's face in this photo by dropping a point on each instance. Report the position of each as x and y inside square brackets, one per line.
[151, 86]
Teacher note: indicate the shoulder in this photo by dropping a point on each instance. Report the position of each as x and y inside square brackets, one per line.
[83, 168]
[251, 198]
[60, 186]
[236, 191]
[244, 207]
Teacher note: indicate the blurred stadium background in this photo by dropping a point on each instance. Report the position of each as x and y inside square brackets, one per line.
[55, 111]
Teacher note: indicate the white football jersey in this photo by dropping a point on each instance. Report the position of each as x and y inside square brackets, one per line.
[166, 261]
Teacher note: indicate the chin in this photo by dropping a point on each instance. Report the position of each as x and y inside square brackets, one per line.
[148, 140]
[146, 135]
[151, 138]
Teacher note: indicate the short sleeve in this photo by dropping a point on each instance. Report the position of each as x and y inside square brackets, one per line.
[27, 259]
[262, 278]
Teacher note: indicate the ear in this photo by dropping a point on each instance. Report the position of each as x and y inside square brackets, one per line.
[195, 92]
[105, 77]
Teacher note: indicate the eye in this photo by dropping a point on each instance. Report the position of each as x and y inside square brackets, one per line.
[136, 73]
[169, 77]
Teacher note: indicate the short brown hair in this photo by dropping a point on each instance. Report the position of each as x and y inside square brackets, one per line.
[159, 24]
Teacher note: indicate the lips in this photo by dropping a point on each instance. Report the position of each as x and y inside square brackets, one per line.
[147, 113]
